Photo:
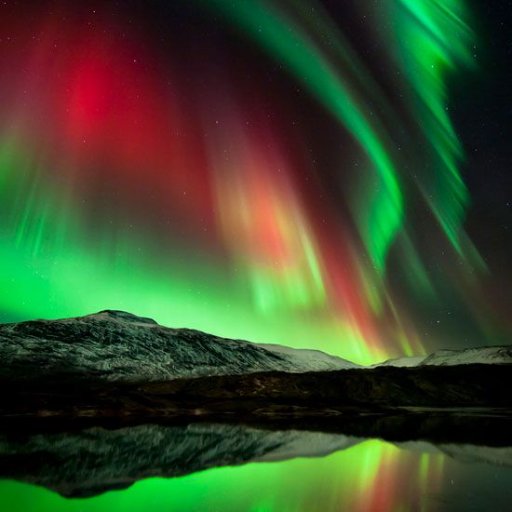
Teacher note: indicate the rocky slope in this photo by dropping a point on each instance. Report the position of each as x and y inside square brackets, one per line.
[120, 347]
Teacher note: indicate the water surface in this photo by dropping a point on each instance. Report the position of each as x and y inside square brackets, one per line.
[282, 471]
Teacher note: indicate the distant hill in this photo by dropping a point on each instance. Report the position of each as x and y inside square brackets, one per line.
[481, 355]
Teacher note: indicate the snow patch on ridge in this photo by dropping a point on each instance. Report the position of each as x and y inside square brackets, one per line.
[482, 355]
[314, 360]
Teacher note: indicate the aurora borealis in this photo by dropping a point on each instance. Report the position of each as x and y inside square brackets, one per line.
[326, 174]
[280, 171]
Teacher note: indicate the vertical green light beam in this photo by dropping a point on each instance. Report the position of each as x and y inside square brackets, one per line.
[432, 38]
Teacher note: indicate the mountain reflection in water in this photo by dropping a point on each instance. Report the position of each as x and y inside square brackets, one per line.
[135, 468]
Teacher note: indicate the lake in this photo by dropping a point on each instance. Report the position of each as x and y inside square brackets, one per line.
[246, 469]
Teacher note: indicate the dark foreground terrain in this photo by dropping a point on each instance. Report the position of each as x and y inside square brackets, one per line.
[481, 386]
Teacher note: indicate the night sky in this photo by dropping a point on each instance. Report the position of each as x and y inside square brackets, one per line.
[331, 175]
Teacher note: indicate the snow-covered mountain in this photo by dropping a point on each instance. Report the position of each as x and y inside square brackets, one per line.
[402, 362]
[115, 346]
[121, 347]
[306, 357]
[482, 355]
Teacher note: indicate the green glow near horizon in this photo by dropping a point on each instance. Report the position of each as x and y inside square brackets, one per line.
[55, 270]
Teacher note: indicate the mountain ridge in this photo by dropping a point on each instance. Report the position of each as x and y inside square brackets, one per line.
[119, 346]
[122, 347]
[499, 354]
